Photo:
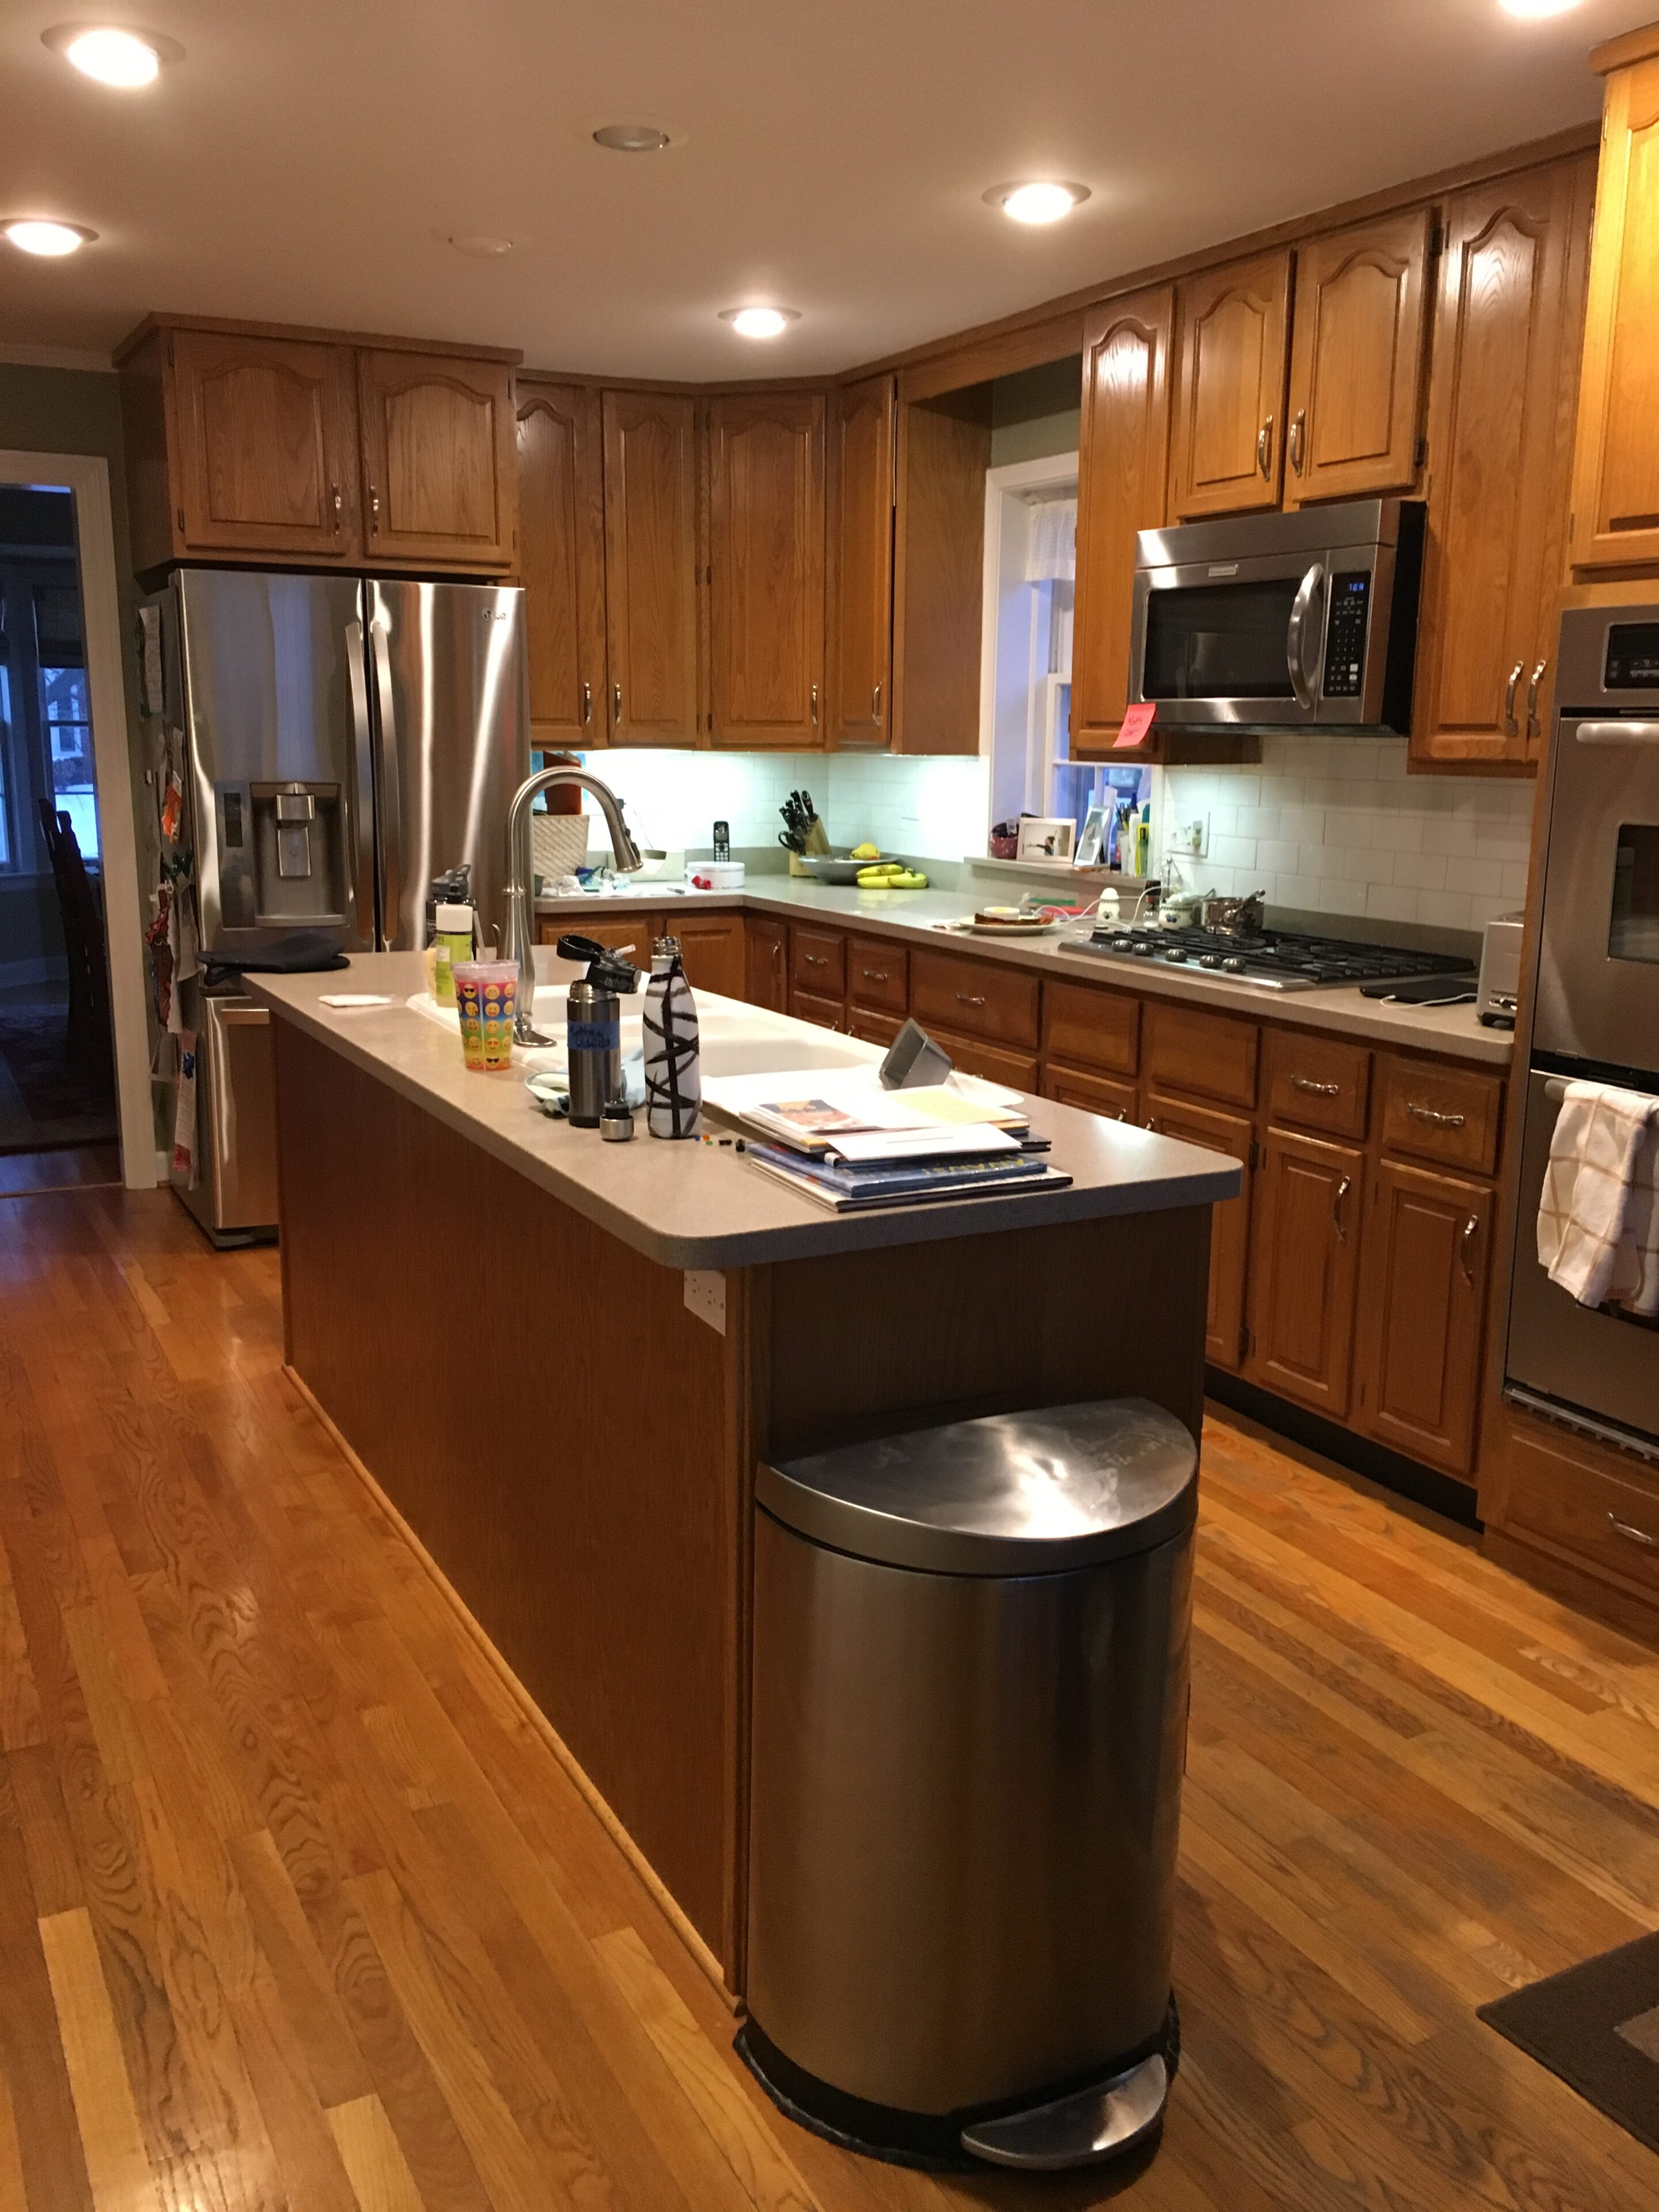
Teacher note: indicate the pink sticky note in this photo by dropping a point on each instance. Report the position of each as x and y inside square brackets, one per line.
[1137, 721]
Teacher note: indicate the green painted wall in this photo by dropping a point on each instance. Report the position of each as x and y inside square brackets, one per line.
[1037, 412]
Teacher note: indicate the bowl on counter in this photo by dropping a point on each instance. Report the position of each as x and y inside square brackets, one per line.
[714, 875]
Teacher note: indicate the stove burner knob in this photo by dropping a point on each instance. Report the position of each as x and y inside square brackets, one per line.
[1143, 951]
[1210, 960]
[1233, 965]
[1175, 957]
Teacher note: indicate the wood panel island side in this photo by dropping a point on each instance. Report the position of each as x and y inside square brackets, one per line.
[559, 1361]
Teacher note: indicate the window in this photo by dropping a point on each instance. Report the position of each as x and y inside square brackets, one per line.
[65, 719]
[8, 841]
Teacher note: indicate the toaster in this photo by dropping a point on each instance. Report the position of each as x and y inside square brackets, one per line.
[1500, 970]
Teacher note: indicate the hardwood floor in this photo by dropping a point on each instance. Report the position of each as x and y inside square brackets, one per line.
[296, 1910]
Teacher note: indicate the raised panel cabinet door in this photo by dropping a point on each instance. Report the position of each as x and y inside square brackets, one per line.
[712, 949]
[1123, 481]
[651, 568]
[1502, 392]
[1428, 1241]
[859, 581]
[1615, 477]
[766, 964]
[267, 438]
[1230, 402]
[562, 557]
[1229, 1221]
[1355, 408]
[939, 583]
[766, 569]
[1307, 1254]
[438, 460]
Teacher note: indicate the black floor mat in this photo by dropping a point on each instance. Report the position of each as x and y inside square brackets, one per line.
[1597, 2027]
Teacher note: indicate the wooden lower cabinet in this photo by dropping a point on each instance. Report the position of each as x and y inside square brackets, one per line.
[1422, 1311]
[1307, 1270]
[1019, 1070]
[766, 964]
[712, 950]
[807, 1006]
[1092, 1094]
[630, 934]
[872, 1027]
[1230, 1224]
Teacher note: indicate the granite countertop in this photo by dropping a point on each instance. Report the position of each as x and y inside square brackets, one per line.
[909, 917]
[699, 1206]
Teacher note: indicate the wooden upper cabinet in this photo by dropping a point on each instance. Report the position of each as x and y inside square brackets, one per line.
[562, 557]
[765, 459]
[1357, 362]
[438, 460]
[1501, 398]
[1123, 465]
[858, 596]
[938, 591]
[1615, 478]
[651, 567]
[265, 446]
[1230, 406]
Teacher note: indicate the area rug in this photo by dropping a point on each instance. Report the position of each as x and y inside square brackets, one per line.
[44, 1101]
[1597, 2027]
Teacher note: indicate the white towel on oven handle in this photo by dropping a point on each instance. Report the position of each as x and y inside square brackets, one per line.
[1598, 1220]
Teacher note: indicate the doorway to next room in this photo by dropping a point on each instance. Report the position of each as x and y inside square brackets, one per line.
[57, 1106]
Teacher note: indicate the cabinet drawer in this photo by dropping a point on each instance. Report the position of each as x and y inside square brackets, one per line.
[1091, 1028]
[975, 996]
[1320, 1082]
[632, 935]
[1206, 1054]
[1017, 1070]
[817, 962]
[873, 1028]
[1092, 1094]
[1607, 1524]
[806, 1006]
[878, 975]
[1449, 1114]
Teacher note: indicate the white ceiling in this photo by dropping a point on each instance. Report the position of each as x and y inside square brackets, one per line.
[308, 159]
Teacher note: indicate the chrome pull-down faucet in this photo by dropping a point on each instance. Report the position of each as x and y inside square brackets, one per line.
[520, 932]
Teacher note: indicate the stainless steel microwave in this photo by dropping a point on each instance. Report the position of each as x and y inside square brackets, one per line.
[1305, 620]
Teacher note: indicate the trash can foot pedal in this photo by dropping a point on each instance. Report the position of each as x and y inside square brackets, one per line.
[1100, 2122]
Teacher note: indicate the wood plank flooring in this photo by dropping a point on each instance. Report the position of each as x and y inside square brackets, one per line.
[296, 1912]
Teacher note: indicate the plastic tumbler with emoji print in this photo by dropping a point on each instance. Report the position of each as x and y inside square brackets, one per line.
[485, 992]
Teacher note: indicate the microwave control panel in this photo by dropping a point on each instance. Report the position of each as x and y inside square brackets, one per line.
[1345, 635]
[1632, 662]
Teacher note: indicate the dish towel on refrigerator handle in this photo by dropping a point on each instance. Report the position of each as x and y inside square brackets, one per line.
[1598, 1212]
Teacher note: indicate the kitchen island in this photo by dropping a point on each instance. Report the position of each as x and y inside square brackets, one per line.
[558, 1362]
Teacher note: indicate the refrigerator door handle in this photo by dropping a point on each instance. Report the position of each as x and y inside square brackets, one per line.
[363, 794]
[391, 815]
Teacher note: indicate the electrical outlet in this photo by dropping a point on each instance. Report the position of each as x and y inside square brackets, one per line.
[1193, 837]
[705, 1296]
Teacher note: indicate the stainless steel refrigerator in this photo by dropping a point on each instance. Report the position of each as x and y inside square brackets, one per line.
[341, 741]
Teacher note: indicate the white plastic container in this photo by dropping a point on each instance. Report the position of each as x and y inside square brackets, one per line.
[715, 875]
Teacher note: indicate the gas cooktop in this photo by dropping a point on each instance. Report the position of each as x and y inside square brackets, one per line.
[1272, 959]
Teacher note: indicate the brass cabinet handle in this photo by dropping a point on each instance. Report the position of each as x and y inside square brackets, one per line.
[1315, 1089]
[816, 959]
[374, 508]
[875, 704]
[588, 704]
[1649, 1543]
[1264, 447]
[875, 975]
[1434, 1117]
[616, 701]
[1532, 698]
[965, 999]
[336, 500]
[1508, 698]
[1298, 438]
[1466, 1247]
[1337, 1205]
[815, 706]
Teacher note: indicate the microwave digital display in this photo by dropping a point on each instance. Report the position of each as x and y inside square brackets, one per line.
[1632, 662]
[1345, 635]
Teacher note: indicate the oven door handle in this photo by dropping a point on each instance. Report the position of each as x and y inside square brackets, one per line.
[1304, 682]
[1618, 733]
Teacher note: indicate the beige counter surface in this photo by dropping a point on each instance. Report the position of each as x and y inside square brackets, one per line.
[910, 917]
[689, 1204]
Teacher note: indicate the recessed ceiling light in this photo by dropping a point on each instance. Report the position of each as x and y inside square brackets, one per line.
[1044, 200]
[632, 138]
[113, 54]
[1533, 11]
[35, 234]
[480, 245]
[760, 322]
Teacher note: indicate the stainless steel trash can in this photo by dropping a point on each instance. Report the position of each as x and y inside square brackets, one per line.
[970, 1708]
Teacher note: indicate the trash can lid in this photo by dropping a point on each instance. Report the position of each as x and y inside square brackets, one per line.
[1014, 1494]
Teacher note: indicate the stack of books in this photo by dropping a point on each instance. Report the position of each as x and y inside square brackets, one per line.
[907, 1149]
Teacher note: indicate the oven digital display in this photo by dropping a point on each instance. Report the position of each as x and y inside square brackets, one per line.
[1632, 656]
[1634, 931]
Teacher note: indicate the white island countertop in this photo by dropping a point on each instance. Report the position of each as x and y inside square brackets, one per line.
[691, 1205]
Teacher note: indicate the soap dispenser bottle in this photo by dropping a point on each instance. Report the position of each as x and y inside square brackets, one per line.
[673, 1069]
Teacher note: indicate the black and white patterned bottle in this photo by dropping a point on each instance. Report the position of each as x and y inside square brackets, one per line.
[673, 1060]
